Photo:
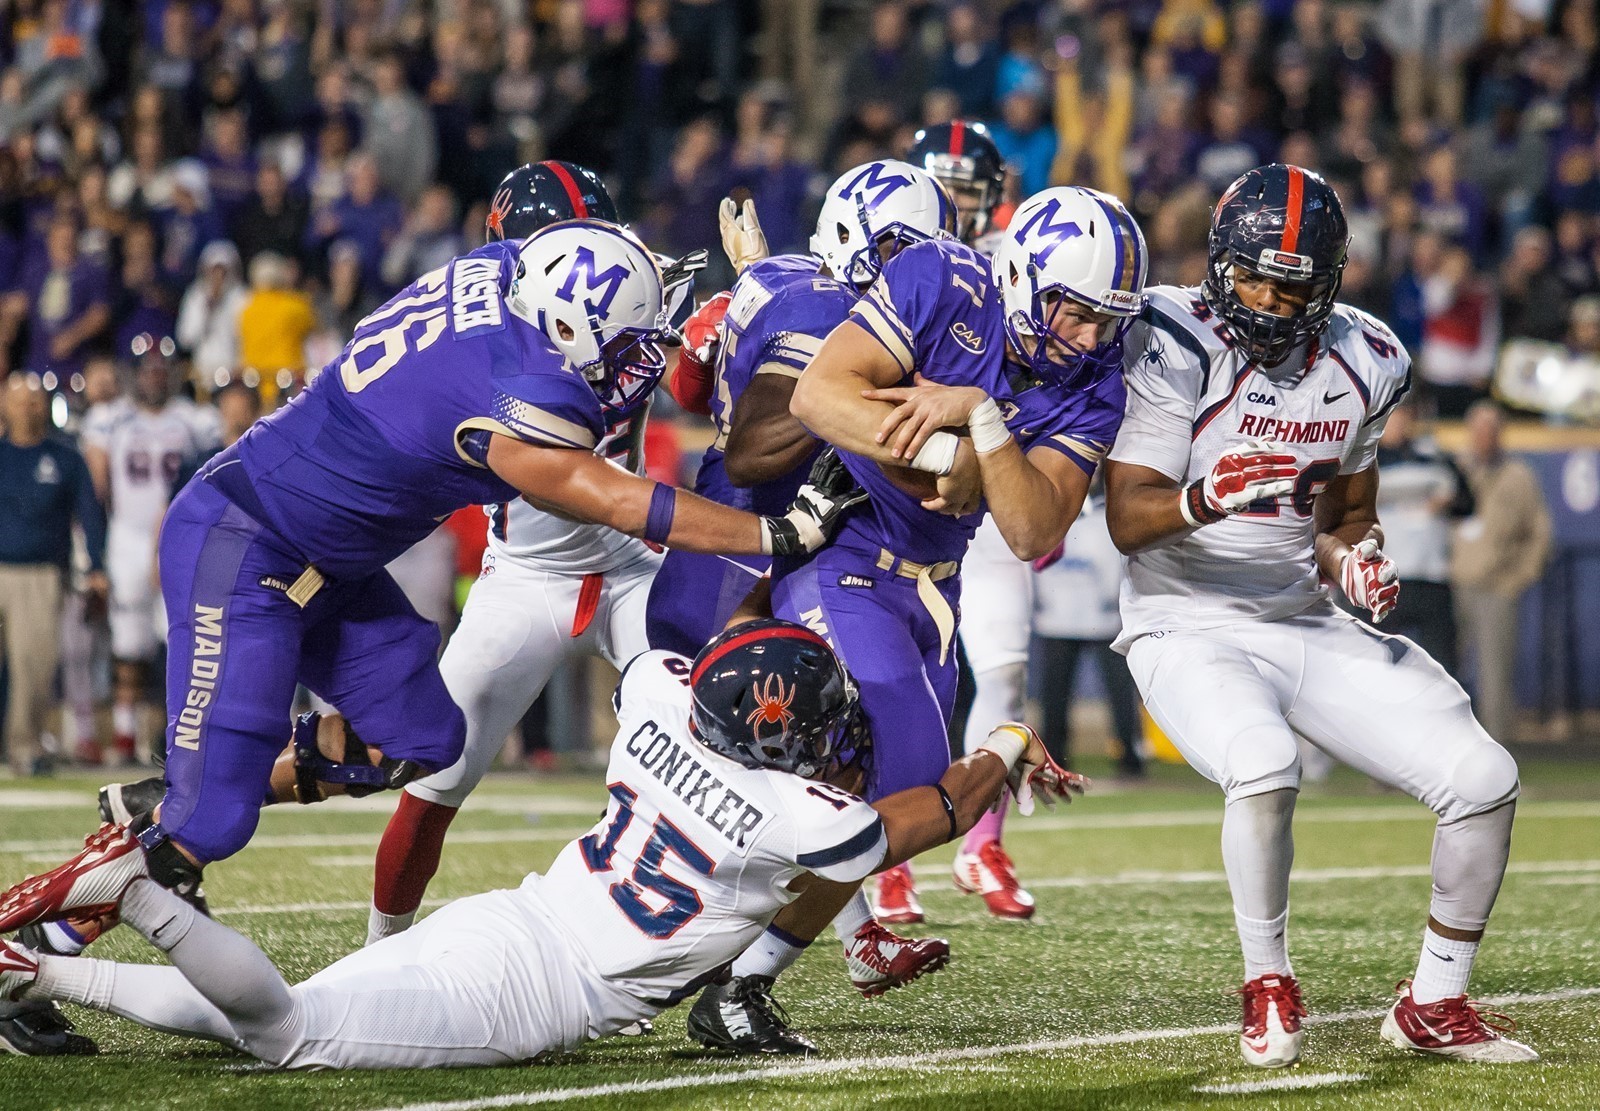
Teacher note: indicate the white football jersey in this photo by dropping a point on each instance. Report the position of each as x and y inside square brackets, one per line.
[695, 853]
[146, 451]
[1192, 398]
[551, 541]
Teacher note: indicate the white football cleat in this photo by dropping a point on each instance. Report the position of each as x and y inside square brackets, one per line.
[1452, 1028]
[1270, 1037]
[19, 967]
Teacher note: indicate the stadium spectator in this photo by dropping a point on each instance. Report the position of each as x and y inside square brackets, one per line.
[208, 317]
[1421, 496]
[44, 488]
[142, 301]
[1500, 551]
[1533, 298]
[1460, 332]
[273, 326]
[398, 132]
[1025, 139]
[364, 214]
[887, 65]
[273, 218]
[430, 238]
[65, 300]
[970, 63]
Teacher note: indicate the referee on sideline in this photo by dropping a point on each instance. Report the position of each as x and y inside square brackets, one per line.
[44, 484]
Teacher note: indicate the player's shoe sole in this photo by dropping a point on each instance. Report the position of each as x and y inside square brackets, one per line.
[92, 883]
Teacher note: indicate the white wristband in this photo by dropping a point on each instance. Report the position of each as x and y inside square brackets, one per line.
[937, 455]
[988, 428]
[1007, 744]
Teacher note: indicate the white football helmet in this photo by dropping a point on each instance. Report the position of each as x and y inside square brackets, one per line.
[1076, 243]
[596, 293]
[883, 201]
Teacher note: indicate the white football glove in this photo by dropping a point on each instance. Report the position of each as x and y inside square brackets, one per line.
[743, 241]
[1032, 772]
[1370, 579]
[1254, 470]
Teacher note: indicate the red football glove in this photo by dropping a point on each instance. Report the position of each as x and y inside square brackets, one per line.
[1370, 579]
[695, 377]
[1034, 774]
[1255, 470]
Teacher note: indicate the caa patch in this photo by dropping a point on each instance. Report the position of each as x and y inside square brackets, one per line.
[967, 338]
[859, 582]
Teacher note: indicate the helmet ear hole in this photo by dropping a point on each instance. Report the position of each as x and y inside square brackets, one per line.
[565, 331]
[842, 232]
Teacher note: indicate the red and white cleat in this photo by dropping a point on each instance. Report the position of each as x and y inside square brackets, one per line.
[91, 884]
[896, 901]
[990, 873]
[880, 960]
[1452, 1028]
[1271, 1035]
[18, 969]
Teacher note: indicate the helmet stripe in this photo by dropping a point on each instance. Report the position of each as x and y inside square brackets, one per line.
[574, 194]
[1121, 244]
[796, 632]
[1291, 222]
[958, 137]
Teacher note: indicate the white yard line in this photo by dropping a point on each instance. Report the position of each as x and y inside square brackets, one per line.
[1156, 819]
[911, 1061]
[1281, 1083]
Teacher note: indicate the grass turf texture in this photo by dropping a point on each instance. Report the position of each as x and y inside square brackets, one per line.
[1123, 976]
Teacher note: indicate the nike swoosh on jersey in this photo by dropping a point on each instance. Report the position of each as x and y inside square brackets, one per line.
[1329, 399]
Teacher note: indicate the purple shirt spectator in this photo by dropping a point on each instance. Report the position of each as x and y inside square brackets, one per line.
[1454, 208]
[368, 217]
[69, 303]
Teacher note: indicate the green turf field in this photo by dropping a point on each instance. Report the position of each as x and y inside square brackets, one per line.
[1116, 996]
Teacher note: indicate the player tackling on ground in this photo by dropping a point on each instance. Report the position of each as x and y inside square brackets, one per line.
[716, 820]
[1244, 474]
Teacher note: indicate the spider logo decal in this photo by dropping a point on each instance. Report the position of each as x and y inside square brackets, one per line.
[772, 704]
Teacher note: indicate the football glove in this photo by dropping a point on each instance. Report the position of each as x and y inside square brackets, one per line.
[830, 492]
[743, 241]
[1034, 774]
[702, 332]
[1370, 579]
[1256, 470]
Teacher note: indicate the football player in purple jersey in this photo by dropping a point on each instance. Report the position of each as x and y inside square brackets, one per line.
[484, 380]
[953, 390]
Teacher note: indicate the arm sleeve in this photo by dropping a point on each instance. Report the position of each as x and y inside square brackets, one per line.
[837, 836]
[1157, 428]
[91, 515]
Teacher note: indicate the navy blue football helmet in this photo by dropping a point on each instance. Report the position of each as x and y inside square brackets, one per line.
[771, 694]
[544, 193]
[962, 157]
[1285, 223]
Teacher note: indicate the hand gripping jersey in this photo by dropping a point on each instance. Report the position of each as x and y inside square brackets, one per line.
[937, 311]
[391, 437]
[695, 853]
[1192, 398]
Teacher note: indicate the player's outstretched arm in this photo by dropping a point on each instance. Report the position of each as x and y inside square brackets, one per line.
[584, 486]
[923, 818]
[766, 441]
[1141, 506]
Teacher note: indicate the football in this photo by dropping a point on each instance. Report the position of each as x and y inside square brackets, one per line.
[918, 484]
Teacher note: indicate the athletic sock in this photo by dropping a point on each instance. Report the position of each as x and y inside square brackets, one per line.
[770, 954]
[1443, 969]
[988, 826]
[856, 914]
[1265, 944]
[381, 925]
[408, 855]
[125, 724]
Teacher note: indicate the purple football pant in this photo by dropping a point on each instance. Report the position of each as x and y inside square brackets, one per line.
[890, 645]
[693, 596]
[237, 645]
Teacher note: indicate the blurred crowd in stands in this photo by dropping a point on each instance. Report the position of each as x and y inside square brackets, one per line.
[248, 178]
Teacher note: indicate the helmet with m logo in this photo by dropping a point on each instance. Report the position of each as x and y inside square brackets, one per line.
[1078, 246]
[873, 211]
[596, 293]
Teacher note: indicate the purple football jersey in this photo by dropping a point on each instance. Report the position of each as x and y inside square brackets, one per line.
[391, 437]
[782, 310]
[939, 313]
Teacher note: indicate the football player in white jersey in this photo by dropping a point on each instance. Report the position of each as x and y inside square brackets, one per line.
[1243, 476]
[997, 589]
[551, 590]
[717, 819]
[140, 448]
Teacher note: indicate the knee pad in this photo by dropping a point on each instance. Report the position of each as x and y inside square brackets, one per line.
[1260, 761]
[1483, 778]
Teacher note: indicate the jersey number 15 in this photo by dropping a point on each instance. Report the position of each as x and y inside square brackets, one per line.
[682, 901]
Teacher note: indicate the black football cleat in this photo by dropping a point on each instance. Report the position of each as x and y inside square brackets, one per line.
[741, 1015]
[121, 803]
[38, 1029]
